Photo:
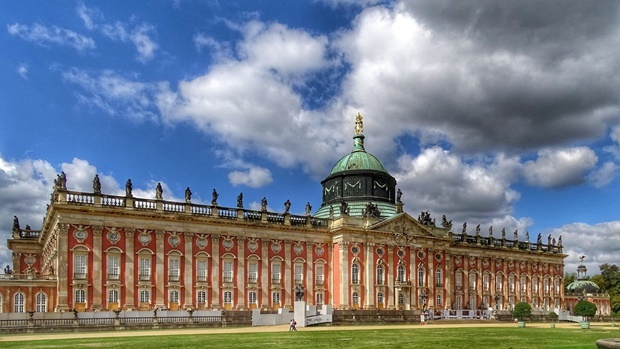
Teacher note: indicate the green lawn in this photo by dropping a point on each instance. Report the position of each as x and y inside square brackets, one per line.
[468, 338]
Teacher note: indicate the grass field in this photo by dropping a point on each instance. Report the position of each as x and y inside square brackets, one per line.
[358, 337]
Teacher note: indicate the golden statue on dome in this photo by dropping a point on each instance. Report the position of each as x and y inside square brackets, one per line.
[359, 124]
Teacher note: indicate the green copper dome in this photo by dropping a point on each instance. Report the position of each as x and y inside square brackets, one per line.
[359, 159]
[579, 286]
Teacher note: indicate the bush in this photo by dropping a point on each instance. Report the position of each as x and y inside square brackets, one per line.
[522, 311]
[552, 315]
[585, 308]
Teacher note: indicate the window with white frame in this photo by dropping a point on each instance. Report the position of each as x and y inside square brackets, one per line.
[299, 273]
[174, 268]
[401, 299]
[113, 263]
[438, 277]
[535, 284]
[458, 279]
[499, 283]
[546, 285]
[472, 281]
[472, 302]
[173, 296]
[400, 273]
[319, 298]
[252, 299]
[275, 272]
[79, 266]
[145, 296]
[228, 271]
[438, 300]
[41, 300]
[201, 270]
[201, 297]
[19, 303]
[319, 274]
[421, 273]
[556, 286]
[253, 272]
[144, 268]
[485, 282]
[355, 273]
[458, 302]
[380, 274]
[523, 284]
[511, 302]
[485, 301]
[511, 283]
[275, 298]
[356, 299]
[113, 296]
[228, 298]
[380, 299]
[80, 296]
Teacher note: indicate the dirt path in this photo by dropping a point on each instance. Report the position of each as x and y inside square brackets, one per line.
[280, 328]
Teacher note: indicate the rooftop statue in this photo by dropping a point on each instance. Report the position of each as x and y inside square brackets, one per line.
[399, 195]
[263, 204]
[15, 223]
[159, 192]
[287, 206]
[214, 196]
[308, 209]
[188, 195]
[478, 230]
[128, 188]
[359, 124]
[96, 184]
[240, 200]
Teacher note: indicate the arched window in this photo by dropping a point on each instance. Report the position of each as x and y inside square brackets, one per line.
[458, 280]
[319, 298]
[228, 300]
[252, 300]
[174, 299]
[438, 277]
[438, 301]
[421, 276]
[355, 273]
[145, 296]
[472, 281]
[379, 274]
[201, 298]
[356, 299]
[400, 273]
[380, 300]
[458, 302]
[18, 303]
[113, 299]
[41, 306]
[401, 298]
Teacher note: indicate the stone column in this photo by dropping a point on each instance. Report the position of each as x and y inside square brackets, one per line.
[330, 273]
[391, 276]
[369, 302]
[344, 274]
[265, 273]
[309, 280]
[215, 287]
[448, 284]
[97, 279]
[430, 299]
[287, 293]
[160, 278]
[188, 277]
[241, 277]
[128, 273]
[63, 264]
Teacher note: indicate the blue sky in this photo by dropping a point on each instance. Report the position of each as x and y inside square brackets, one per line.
[497, 113]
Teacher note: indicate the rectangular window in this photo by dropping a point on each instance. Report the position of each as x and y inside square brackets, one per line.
[113, 296]
[41, 303]
[113, 265]
[379, 275]
[319, 298]
[511, 283]
[420, 276]
[202, 296]
[201, 270]
[438, 278]
[174, 269]
[299, 273]
[253, 273]
[174, 296]
[485, 282]
[275, 298]
[556, 287]
[319, 275]
[79, 267]
[275, 273]
[546, 285]
[18, 303]
[535, 284]
[144, 271]
[472, 281]
[80, 296]
[458, 303]
[252, 298]
[499, 282]
[438, 300]
[145, 296]
[228, 271]
[355, 274]
[523, 284]
[459, 280]
[228, 298]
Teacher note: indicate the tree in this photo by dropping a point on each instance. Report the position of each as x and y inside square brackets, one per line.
[569, 278]
[522, 311]
[585, 308]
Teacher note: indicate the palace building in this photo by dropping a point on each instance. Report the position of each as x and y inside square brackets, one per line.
[359, 250]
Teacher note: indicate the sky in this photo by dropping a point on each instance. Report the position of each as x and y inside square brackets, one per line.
[498, 113]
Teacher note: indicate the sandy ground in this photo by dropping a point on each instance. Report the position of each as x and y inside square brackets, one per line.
[280, 328]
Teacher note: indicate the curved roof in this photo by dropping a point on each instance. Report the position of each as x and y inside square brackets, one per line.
[579, 286]
[358, 159]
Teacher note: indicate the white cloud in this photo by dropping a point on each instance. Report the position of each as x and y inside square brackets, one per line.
[602, 176]
[254, 177]
[559, 167]
[43, 36]
[86, 15]
[145, 45]
[22, 70]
